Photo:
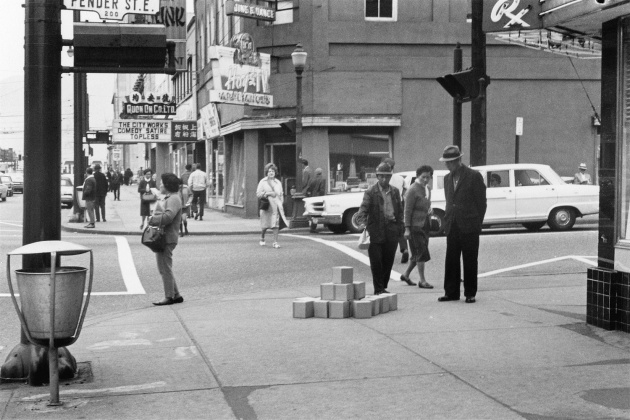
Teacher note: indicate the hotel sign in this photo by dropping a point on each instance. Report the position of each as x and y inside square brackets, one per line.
[114, 9]
[251, 11]
[240, 74]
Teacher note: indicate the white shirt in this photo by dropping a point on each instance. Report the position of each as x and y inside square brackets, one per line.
[198, 181]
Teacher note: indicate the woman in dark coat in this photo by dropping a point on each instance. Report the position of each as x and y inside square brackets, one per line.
[145, 185]
[167, 214]
[417, 224]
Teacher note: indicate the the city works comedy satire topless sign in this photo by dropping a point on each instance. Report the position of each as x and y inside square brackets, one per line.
[114, 9]
[142, 131]
[241, 75]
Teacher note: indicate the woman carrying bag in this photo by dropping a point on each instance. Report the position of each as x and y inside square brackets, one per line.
[144, 187]
[272, 217]
[167, 215]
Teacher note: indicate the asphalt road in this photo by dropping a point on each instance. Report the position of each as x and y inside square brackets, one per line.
[126, 276]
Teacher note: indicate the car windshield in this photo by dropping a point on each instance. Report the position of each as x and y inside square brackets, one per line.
[17, 178]
[65, 182]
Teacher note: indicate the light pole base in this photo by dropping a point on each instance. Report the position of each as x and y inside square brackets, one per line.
[30, 362]
[297, 219]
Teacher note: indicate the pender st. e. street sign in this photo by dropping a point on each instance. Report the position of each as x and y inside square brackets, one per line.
[114, 9]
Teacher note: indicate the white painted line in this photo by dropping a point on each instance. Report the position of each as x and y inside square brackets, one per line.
[114, 390]
[346, 250]
[10, 224]
[128, 268]
[532, 264]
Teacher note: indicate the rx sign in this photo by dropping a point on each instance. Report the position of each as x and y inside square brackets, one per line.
[504, 15]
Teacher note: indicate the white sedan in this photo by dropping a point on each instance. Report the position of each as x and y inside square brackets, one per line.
[529, 194]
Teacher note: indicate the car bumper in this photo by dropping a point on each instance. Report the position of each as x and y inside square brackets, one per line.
[325, 218]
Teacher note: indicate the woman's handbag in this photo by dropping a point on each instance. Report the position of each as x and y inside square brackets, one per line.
[364, 240]
[263, 203]
[149, 197]
[153, 238]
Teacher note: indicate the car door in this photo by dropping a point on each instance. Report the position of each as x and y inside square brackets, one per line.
[500, 196]
[534, 195]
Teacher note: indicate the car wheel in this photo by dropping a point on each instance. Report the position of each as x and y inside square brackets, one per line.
[437, 223]
[4, 199]
[340, 228]
[561, 219]
[350, 220]
[534, 226]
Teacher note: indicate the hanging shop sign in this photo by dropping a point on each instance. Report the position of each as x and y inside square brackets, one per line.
[114, 9]
[150, 104]
[241, 74]
[142, 131]
[252, 11]
[508, 15]
[172, 15]
[210, 121]
[184, 131]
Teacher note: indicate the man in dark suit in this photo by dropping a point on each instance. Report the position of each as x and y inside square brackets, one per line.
[465, 193]
[102, 186]
[382, 209]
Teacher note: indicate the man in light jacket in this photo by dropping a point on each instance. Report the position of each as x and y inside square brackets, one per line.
[198, 183]
[89, 195]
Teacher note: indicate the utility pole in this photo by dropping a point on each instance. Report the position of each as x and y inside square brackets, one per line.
[457, 104]
[80, 127]
[478, 106]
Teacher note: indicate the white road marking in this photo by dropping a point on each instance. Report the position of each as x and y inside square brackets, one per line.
[346, 250]
[396, 276]
[532, 264]
[114, 390]
[127, 269]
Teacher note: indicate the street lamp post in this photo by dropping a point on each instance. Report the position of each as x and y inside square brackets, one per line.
[298, 56]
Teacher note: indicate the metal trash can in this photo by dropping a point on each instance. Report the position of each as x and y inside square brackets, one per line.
[34, 288]
[79, 195]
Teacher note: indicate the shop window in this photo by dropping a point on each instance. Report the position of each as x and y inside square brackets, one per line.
[284, 13]
[354, 156]
[381, 10]
[236, 172]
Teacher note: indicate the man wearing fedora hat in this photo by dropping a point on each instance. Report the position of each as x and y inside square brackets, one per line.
[382, 209]
[581, 177]
[465, 193]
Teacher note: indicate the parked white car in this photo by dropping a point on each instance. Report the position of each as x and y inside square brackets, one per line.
[529, 194]
[338, 211]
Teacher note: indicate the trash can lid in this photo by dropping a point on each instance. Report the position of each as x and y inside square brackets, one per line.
[47, 247]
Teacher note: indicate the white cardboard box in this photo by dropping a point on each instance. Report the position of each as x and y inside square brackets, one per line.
[342, 275]
[327, 291]
[362, 308]
[320, 308]
[303, 308]
[344, 291]
[359, 290]
[338, 309]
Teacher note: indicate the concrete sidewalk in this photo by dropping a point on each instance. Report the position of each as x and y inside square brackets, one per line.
[123, 218]
[514, 354]
[523, 351]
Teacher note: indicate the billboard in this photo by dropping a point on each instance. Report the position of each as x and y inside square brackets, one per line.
[241, 74]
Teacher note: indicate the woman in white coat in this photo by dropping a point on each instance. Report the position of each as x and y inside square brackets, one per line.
[271, 188]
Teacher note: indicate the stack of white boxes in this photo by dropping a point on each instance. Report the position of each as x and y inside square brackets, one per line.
[343, 298]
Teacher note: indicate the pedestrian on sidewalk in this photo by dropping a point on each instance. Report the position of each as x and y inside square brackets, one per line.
[382, 211]
[128, 175]
[316, 188]
[582, 177]
[466, 205]
[144, 186]
[418, 224]
[398, 182]
[198, 183]
[102, 187]
[167, 214]
[307, 175]
[186, 199]
[186, 175]
[89, 195]
[273, 218]
[115, 183]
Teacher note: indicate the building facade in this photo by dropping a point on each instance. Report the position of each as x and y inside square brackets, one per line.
[369, 91]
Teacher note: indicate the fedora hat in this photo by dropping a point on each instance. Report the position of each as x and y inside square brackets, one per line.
[582, 165]
[383, 169]
[451, 153]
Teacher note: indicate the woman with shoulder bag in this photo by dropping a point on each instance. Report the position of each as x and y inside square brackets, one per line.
[418, 224]
[167, 214]
[271, 188]
[144, 186]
